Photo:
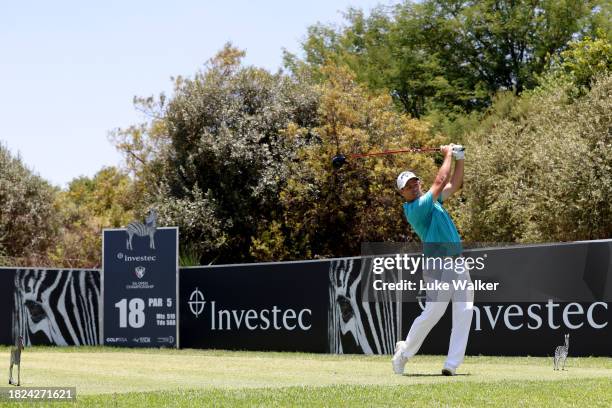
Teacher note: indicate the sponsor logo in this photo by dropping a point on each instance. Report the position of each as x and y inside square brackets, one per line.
[139, 271]
[142, 340]
[142, 258]
[196, 302]
[116, 340]
[169, 339]
[273, 318]
[534, 316]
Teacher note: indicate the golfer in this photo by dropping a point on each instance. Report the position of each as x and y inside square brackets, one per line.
[435, 228]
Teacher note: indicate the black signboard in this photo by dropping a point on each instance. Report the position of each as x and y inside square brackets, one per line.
[140, 275]
[280, 306]
[7, 287]
[318, 306]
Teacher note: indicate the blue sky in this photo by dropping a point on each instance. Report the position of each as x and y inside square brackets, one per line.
[69, 69]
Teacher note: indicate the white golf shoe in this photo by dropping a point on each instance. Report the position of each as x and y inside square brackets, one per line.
[448, 371]
[399, 361]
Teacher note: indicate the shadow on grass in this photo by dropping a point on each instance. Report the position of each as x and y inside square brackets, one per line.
[434, 375]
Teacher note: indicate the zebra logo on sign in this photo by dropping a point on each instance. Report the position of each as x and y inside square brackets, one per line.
[196, 302]
[142, 230]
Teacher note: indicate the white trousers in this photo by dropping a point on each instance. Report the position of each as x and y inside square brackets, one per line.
[437, 301]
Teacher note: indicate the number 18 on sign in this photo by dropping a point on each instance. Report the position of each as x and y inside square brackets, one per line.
[140, 286]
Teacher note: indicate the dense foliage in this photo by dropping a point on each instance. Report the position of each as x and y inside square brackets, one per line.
[451, 55]
[28, 220]
[106, 200]
[221, 160]
[543, 171]
[327, 212]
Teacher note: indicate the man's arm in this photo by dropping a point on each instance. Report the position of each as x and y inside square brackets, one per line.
[443, 175]
[456, 181]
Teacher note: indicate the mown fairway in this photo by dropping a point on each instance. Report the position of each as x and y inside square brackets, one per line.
[182, 378]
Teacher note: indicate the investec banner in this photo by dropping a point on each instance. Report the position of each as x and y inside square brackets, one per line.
[320, 306]
[140, 274]
[255, 307]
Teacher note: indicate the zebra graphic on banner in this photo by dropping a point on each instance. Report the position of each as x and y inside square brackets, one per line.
[356, 326]
[142, 230]
[57, 307]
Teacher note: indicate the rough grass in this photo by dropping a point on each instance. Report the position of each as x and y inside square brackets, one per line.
[149, 377]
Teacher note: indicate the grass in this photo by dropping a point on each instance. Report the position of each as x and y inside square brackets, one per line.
[181, 378]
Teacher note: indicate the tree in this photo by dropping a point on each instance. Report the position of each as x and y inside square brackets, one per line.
[452, 55]
[106, 200]
[214, 156]
[504, 43]
[541, 172]
[585, 60]
[330, 213]
[383, 54]
[28, 220]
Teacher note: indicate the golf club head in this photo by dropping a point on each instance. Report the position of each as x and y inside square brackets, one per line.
[338, 161]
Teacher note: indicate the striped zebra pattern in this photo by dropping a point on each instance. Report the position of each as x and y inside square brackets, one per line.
[356, 326]
[561, 354]
[142, 230]
[57, 307]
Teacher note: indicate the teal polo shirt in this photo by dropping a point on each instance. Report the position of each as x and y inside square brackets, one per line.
[433, 225]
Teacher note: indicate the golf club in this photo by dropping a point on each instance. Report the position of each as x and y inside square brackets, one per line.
[340, 159]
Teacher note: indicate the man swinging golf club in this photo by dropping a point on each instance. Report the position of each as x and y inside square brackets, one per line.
[435, 228]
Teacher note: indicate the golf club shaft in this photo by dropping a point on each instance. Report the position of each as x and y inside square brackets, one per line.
[386, 152]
